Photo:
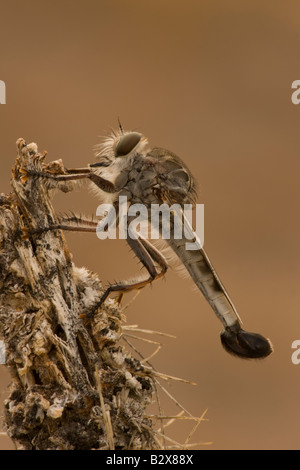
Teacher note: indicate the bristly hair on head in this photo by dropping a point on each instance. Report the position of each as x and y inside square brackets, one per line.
[120, 126]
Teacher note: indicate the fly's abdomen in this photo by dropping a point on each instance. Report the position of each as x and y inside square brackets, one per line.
[234, 339]
[205, 277]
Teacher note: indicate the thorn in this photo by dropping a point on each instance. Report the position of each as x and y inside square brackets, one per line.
[24, 179]
[25, 176]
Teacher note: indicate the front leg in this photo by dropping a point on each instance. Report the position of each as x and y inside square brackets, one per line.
[72, 175]
[105, 185]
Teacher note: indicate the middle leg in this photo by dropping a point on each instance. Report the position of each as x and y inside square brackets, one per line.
[149, 257]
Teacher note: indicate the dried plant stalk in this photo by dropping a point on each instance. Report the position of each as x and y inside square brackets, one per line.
[73, 385]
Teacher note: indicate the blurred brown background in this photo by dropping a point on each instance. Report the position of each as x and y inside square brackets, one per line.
[211, 81]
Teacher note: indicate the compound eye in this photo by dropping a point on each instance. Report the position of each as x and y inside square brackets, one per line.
[127, 143]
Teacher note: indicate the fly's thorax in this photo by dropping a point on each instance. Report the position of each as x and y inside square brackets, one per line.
[154, 180]
[142, 179]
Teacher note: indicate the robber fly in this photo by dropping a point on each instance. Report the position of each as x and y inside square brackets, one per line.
[127, 165]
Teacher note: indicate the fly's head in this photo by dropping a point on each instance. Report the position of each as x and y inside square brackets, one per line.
[118, 147]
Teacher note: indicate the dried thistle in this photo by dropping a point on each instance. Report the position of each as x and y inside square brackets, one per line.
[74, 386]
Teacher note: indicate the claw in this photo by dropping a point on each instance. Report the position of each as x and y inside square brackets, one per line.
[89, 315]
[92, 313]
